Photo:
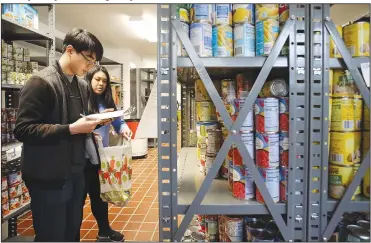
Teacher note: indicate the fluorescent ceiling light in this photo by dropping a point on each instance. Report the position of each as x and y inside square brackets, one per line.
[144, 28]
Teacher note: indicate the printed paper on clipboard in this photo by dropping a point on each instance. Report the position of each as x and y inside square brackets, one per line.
[107, 115]
[365, 68]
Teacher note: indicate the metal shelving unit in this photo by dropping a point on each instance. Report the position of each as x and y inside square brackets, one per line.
[183, 191]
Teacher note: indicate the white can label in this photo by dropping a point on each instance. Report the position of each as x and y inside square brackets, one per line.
[248, 140]
[272, 180]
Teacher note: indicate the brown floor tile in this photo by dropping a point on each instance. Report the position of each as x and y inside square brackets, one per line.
[90, 217]
[131, 204]
[148, 226]
[118, 226]
[142, 210]
[155, 237]
[137, 218]
[132, 226]
[123, 218]
[112, 216]
[24, 224]
[87, 210]
[88, 225]
[127, 211]
[83, 233]
[129, 235]
[137, 198]
[92, 235]
[151, 218]
[29, 232]
[144, 236]
[115, 210]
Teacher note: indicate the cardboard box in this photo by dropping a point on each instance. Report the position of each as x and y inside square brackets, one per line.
[28, 16]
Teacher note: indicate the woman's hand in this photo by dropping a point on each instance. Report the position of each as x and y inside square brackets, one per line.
[126, 132]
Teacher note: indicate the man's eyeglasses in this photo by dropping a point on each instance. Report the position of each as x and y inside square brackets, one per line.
[90, 62]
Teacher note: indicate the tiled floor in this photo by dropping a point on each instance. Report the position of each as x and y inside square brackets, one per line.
[138, 221]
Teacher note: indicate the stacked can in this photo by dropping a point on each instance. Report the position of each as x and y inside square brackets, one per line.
[211, 228]
[366, 148]
[267, 27]
[284, 12]
[267, 145]
[244, 30]
[345, 133]
[222, 39]
[284, 146]
[201, 29]
[228, 93]
[183, 16]
[357, 38]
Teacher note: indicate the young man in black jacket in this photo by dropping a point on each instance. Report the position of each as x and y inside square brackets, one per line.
[53, 133]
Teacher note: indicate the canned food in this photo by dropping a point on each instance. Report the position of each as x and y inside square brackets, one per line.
[357, 39]
[242, 185]
[201, 93]
[271, 178]
[5, 208]
[334, 51]
[266, 115]
[343, 84]
[183, 13]
[284, 114]
[228, 90]
[222, 41]
[224, 169]
[214, 142]
[205, 111]
[221, 227]
[262, 235]
[358, 234]
[267, 150]
[12, 77]
[222, 14]
[248, 124]
[243, 86]
[339, 179]
[201, 222]
[285, 49]
[15, 203]
[4, 197]
[198, 237]
[266, 35]
[4, 183]
[244, 40]
[24, 188]
[345, 148]
[14, 178]
[201, 38]
[232, 109]
[243, 13]
[358, 190]
[366, 117]
[248, 140]
[3, 77]
[265, 12]
[181, 51]
[283, 11]
[284, 149]
[364, 224]
[15, 191]
[252, 226]
[346, 114]
[201, 158]
[209, 164]
[201, 12]
[366, 184]
[277, 87]
[233, 228]
[211, 228]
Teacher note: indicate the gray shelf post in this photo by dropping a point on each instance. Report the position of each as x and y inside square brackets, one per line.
[319, 229]
[50, 44]
[167, 125]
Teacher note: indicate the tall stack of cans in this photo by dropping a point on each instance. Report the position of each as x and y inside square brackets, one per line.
[267, 27]
[8, 118]
[284, 12]
[208, 133]
[366, 148]
[201, 29]
[222, 39]
[345, 133]
[183, 16]
[244, 30]
[284, 146]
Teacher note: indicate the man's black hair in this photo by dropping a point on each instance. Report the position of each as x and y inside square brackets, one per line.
[82, 40]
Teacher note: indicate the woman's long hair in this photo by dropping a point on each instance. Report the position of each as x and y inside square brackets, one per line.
[106, 96]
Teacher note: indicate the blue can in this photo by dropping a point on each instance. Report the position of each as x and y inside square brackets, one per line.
[222, 41]
[222, 14]
[244, 40]
[201, 12]
[201, 38]
[267, 32]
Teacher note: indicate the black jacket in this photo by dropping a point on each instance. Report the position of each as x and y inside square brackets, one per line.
[42, 126]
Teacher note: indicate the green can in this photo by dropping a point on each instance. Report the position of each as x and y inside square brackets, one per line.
[183, 13]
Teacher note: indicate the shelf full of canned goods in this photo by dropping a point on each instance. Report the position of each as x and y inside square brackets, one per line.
[245, 105]
[339, 169]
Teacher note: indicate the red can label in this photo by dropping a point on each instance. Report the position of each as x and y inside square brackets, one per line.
[284, 173]
[271, 178]
[284, 114]
[243, 86]
[267, 150]
[201, 221]
[284, 149]
[267, 115]
[283, 11]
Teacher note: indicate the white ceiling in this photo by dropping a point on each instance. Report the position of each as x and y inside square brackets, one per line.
[109, 22]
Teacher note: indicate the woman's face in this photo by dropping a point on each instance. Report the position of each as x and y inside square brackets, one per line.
[99, 82]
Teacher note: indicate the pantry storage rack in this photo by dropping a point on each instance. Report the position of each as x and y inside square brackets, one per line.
[183, 191]
[170, 197]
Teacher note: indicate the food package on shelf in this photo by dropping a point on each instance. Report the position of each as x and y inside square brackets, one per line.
[28, 16]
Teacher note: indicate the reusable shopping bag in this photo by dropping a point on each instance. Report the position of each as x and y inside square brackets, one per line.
[115, 172]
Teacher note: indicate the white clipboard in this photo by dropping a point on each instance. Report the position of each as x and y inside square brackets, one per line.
[106, 115]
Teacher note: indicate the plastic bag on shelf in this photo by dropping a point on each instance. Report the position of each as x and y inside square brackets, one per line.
[115, 172]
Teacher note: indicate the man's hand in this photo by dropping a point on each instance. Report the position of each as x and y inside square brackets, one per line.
[126, 132]
[83, 126]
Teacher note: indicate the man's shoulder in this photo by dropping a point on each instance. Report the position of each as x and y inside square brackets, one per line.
[82, 81]
[46, 73]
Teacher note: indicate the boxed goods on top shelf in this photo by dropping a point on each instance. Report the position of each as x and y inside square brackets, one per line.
[227, 30]
[16, 67]
[14, 193]
[23, 14]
